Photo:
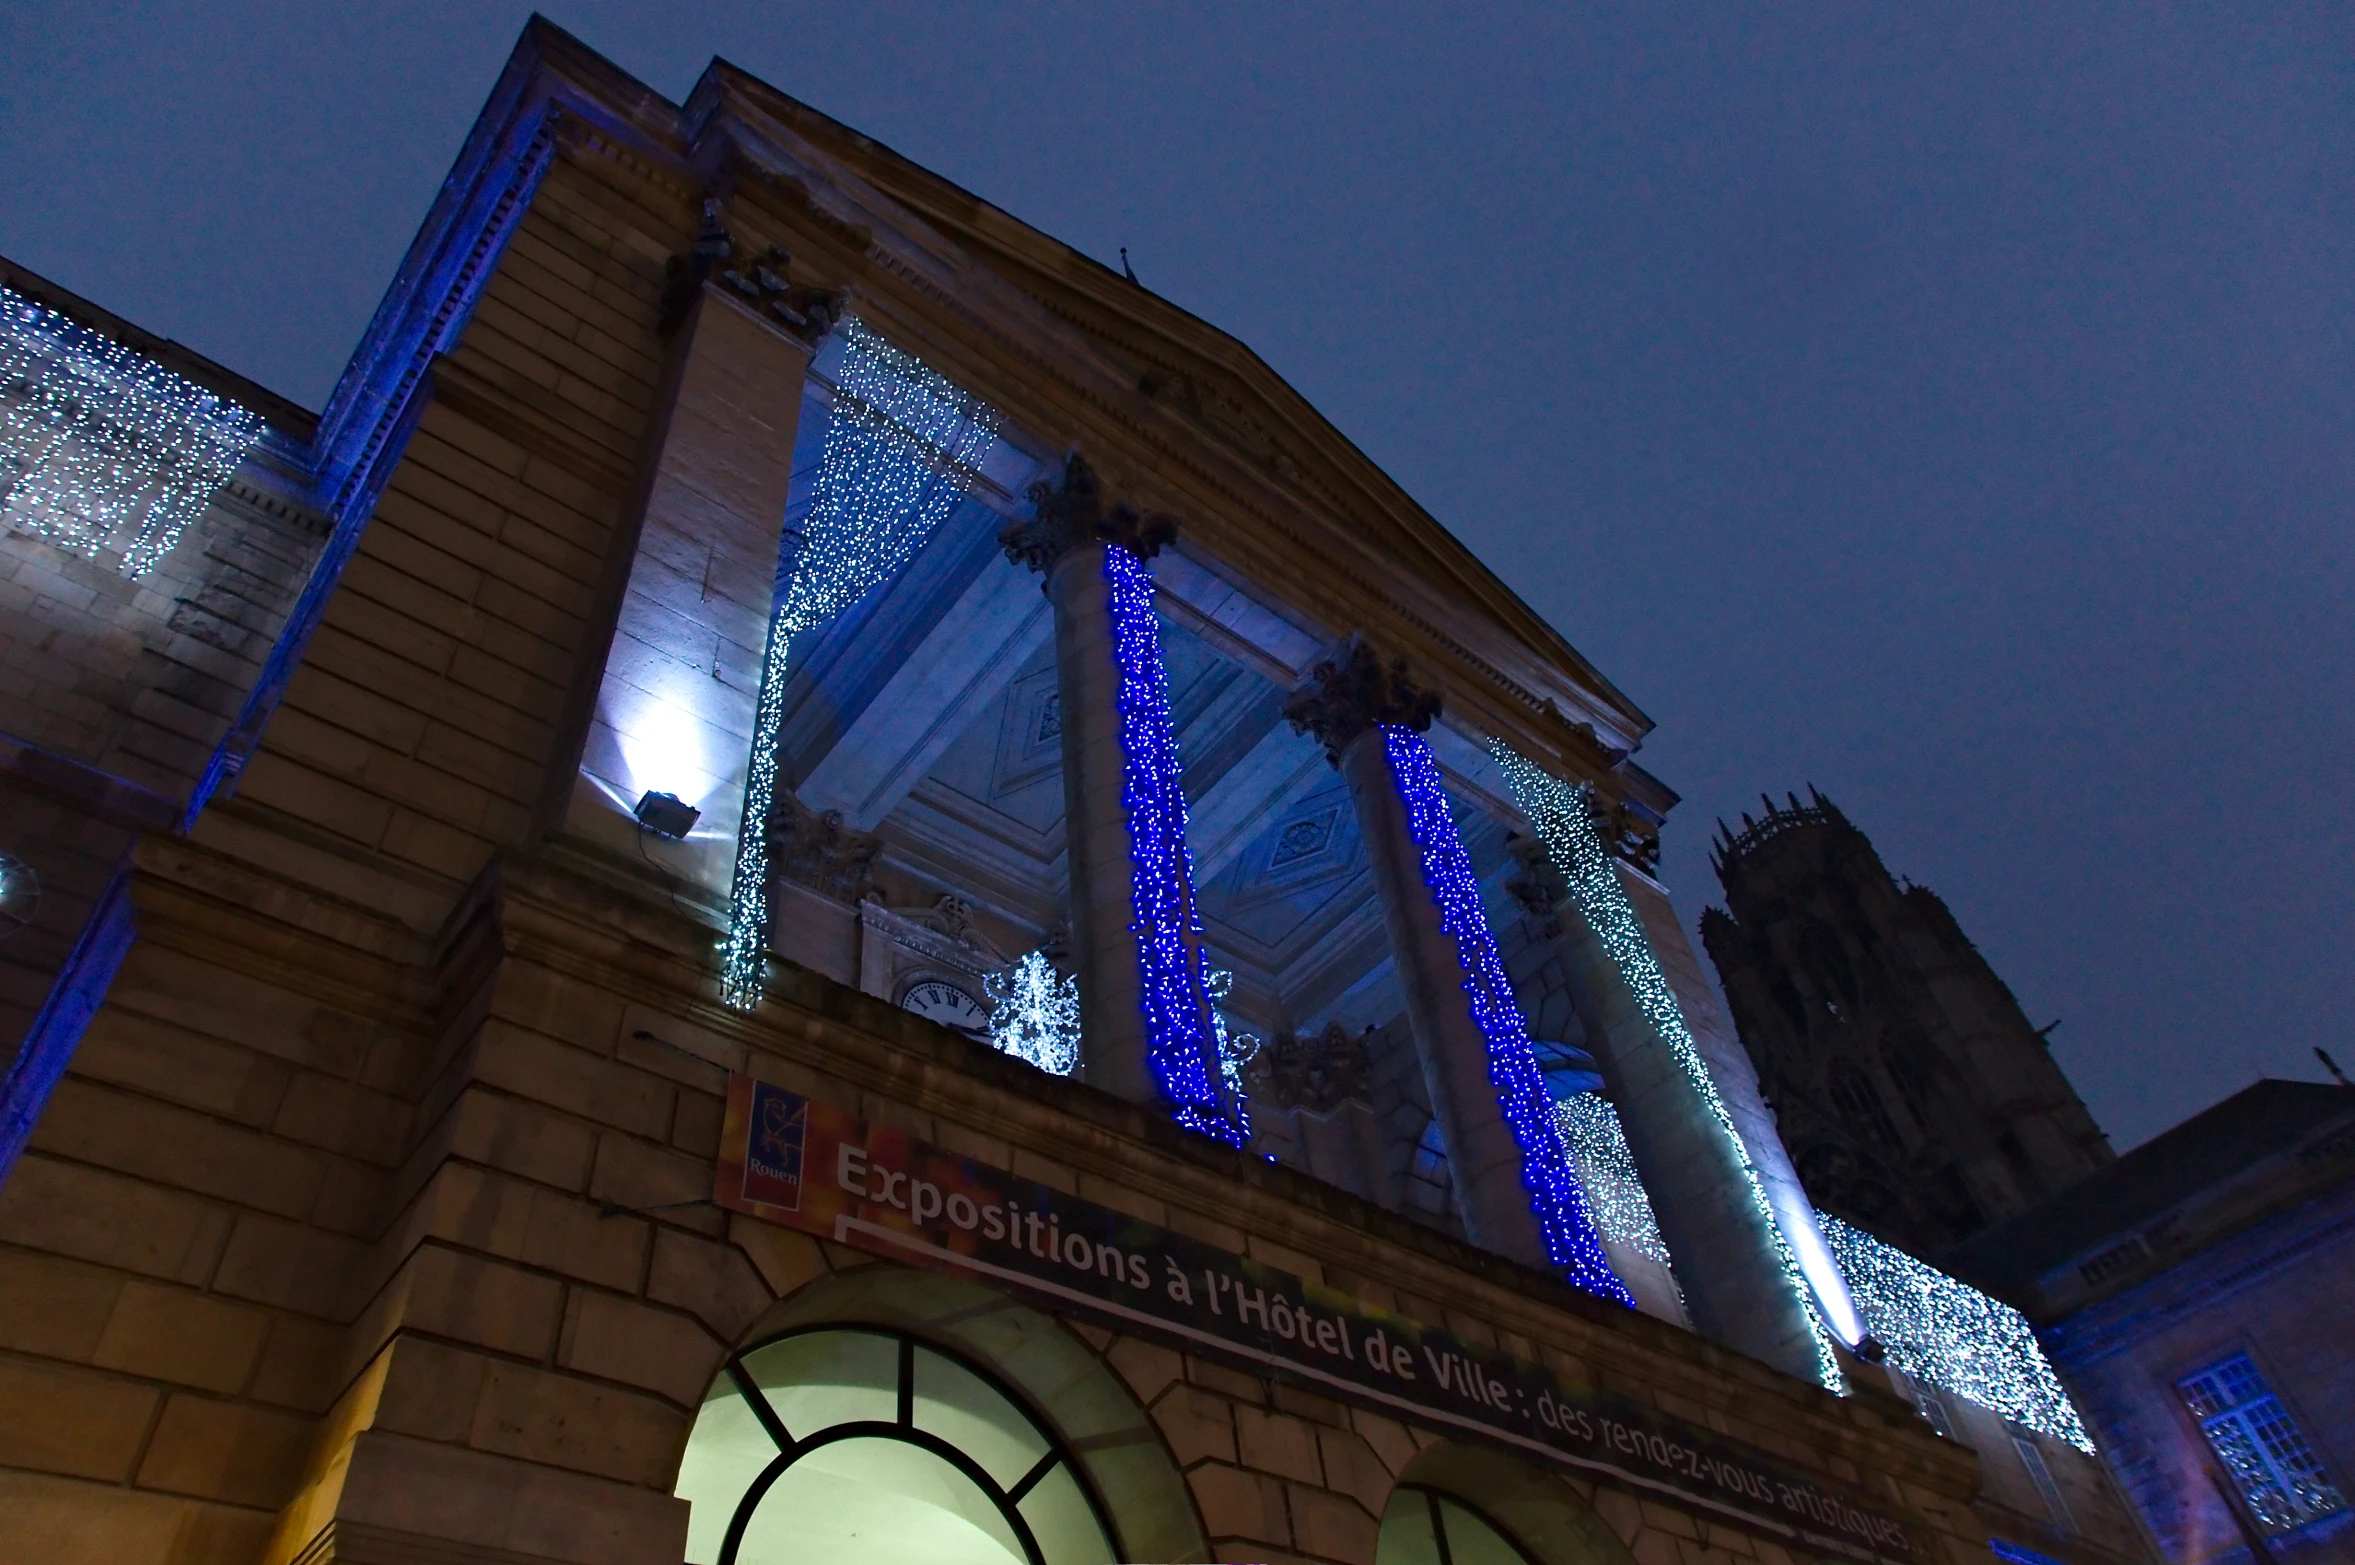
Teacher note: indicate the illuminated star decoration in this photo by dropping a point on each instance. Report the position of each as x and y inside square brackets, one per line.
[1950, 1335]
[1615, 1194]
[1546, 1166]
[1558, 812]
[1179, 1042]
[1236, 1048]
[899, 454]
[1034, 1016]
[101, 448]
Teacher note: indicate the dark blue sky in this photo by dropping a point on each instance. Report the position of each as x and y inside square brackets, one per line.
[1946, 404]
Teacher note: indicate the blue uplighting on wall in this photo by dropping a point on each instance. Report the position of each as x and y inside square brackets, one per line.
[898, 453]
[1546, 1168]
[1180, 1044]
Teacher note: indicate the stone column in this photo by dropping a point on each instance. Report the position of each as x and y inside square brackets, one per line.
[1736, 1080]
[1703, 1185]
[1353, 704]
[1145, 1020]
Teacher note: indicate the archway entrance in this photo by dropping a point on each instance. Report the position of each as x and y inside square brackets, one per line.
[1473, 1505]
[1422, 1526]
[863, 1443]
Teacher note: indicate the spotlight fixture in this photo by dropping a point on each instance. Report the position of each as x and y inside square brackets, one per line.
[666, 814]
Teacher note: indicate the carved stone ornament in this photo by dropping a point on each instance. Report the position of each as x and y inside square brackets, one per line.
[1536, 886]
[820, 851]
[1616, 825]
[1072, 513]
[1351, 692]
[1318, 1074]
[761, 280]
[1585, 734]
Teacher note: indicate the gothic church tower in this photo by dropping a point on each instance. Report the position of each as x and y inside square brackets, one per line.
[1917, 1100]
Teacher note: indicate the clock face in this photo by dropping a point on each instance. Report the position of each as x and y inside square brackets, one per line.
[950, 1006]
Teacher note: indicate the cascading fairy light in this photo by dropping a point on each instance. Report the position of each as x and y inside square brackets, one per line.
[101, 448]
[1558, 812]
[1946, 1333]
[1179, 1039]
[899, 450]
[1615, 1193]
[1034, 1015]
[1546, 1165]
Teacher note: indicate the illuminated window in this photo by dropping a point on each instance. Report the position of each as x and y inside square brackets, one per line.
[1424, 1527]
[2276, 1471]
[860, 1446]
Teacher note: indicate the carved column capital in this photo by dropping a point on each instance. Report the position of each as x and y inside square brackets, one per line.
[1072, 512]
[1352, 692]
[761, 280]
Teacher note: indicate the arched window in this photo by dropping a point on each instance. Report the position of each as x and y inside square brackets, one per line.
[1422, 1526]
[854, 1444]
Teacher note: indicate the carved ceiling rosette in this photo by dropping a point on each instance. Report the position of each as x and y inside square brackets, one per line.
[1353, 692]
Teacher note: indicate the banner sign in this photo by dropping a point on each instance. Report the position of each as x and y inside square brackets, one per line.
[790, 1160]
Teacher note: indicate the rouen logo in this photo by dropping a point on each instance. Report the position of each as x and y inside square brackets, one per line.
[772, 1162]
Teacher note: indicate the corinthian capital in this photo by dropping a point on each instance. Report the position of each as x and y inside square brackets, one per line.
[1072, 513]
[1351, 692]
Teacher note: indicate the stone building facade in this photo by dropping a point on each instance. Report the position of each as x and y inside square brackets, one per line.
[2197, 1296]
[691, 1011]
[1917, 1099]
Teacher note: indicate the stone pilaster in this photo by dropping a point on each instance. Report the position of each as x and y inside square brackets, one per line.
[1346, 704]
[1737, 1287]
[670, 708]
[1145, 1020]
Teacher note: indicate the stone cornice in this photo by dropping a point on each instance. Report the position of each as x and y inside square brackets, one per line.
[922, 228]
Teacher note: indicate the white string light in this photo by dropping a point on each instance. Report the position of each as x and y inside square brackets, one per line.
[1950, 1335]
[1614, 1191]
[1034, 1016]
[1559, 814]
[102, 448]
[898, 453]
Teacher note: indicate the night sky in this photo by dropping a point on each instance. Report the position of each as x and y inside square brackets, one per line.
[1945, 405]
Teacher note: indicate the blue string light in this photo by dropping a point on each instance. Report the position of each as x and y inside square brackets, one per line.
[1546, 1167]
[1559, 814]
[899, 453]
[1179, 1041]
[101, 447]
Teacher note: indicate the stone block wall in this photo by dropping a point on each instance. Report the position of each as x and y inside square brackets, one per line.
[114, 693]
